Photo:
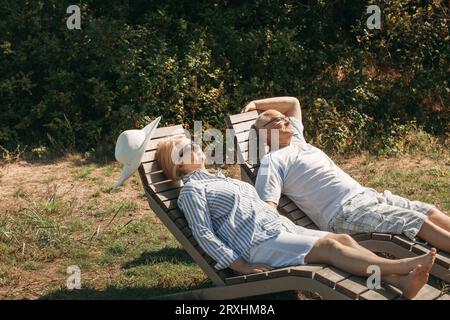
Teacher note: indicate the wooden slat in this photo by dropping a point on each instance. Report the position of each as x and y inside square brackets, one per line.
[362, 236]
[169, 195]
[181, 223]
[443, 259]
[330, 276]
[307, 271]
[175, 214]
[303, 222]
[428, 293]
[149, 156]
[352, 287]
[155, 177]
[242, 136]
[168, 185]
[283, 201]
[290, 207]
[170, 204]
[153, 143]
[403, 242]
[150, 167]
[257, 276]
[187, 232]
[235, 280]
[296, 214]
[243, 147]
[243, 126]
[210, 260]
[168, 131]
[381, 236]
[419, 249]
[388, 292]
[241, 117]
[313, 227]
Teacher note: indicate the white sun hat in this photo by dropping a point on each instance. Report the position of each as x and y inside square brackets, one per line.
[130, 148]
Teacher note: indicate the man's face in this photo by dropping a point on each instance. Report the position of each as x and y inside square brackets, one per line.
[281, 123]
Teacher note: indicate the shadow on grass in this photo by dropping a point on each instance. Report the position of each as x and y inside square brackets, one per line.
[118, 293]
[171, 255]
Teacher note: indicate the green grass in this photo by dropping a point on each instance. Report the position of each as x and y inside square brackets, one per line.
[430, 185]
[84, 171]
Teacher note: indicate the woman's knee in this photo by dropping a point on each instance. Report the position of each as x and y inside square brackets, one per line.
[344, 239]
[323, 250]
[329, 245]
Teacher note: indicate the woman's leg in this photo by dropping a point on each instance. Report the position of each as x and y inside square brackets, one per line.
[356, 261]
[435, 235]
[411, 284]
[348, 241]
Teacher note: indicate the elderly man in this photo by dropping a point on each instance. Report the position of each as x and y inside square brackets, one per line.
[329, 196]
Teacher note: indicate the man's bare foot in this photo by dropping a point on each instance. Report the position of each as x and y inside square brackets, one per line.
[425, 260]
[415, 281]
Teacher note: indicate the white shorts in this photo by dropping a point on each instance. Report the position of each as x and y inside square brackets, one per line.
[286, 249]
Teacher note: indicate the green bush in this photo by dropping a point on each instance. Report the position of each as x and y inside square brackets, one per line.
[201, 60]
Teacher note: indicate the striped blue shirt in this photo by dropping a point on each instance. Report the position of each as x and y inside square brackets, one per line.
[227, 217]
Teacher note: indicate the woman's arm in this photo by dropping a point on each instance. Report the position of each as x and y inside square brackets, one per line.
[289, 106]
[241, 266]
[192, 202]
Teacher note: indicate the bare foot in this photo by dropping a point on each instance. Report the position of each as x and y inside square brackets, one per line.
[426, 260]
[415, 281]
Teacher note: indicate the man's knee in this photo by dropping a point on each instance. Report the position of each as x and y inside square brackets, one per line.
[434, 213]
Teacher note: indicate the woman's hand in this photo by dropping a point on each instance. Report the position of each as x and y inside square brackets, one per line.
[249, 107]
[242, 267]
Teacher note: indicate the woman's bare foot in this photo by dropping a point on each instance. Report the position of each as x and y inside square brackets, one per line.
[425, 260]
[415, 281]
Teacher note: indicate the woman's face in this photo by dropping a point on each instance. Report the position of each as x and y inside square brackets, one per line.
[191, 156]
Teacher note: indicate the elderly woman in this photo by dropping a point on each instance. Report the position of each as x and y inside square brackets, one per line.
[242, 232]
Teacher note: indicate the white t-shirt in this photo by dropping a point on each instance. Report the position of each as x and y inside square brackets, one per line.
[308, 177]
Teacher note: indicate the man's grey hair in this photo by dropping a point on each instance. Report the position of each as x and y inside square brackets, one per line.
[262, 120]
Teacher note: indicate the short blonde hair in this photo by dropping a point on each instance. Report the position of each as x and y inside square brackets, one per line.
[164, 157]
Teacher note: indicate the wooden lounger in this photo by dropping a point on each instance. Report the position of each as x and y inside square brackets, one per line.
[398, 246]
[328, 282]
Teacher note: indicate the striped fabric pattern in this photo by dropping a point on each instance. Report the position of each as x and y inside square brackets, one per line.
[227, 217]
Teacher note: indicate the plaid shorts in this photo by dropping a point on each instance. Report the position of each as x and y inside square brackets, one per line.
[371, 211]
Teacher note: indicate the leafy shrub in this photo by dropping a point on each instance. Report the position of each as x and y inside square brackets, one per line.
[201, 60]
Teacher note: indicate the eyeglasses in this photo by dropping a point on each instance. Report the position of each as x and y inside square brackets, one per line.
[282, 119]
[192, 146]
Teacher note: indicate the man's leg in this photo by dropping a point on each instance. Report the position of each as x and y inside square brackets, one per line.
[439, 218]
[435, 215]
[379, 216]
[435, 235]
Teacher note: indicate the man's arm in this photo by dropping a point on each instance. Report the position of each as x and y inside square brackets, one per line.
[289, 106]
